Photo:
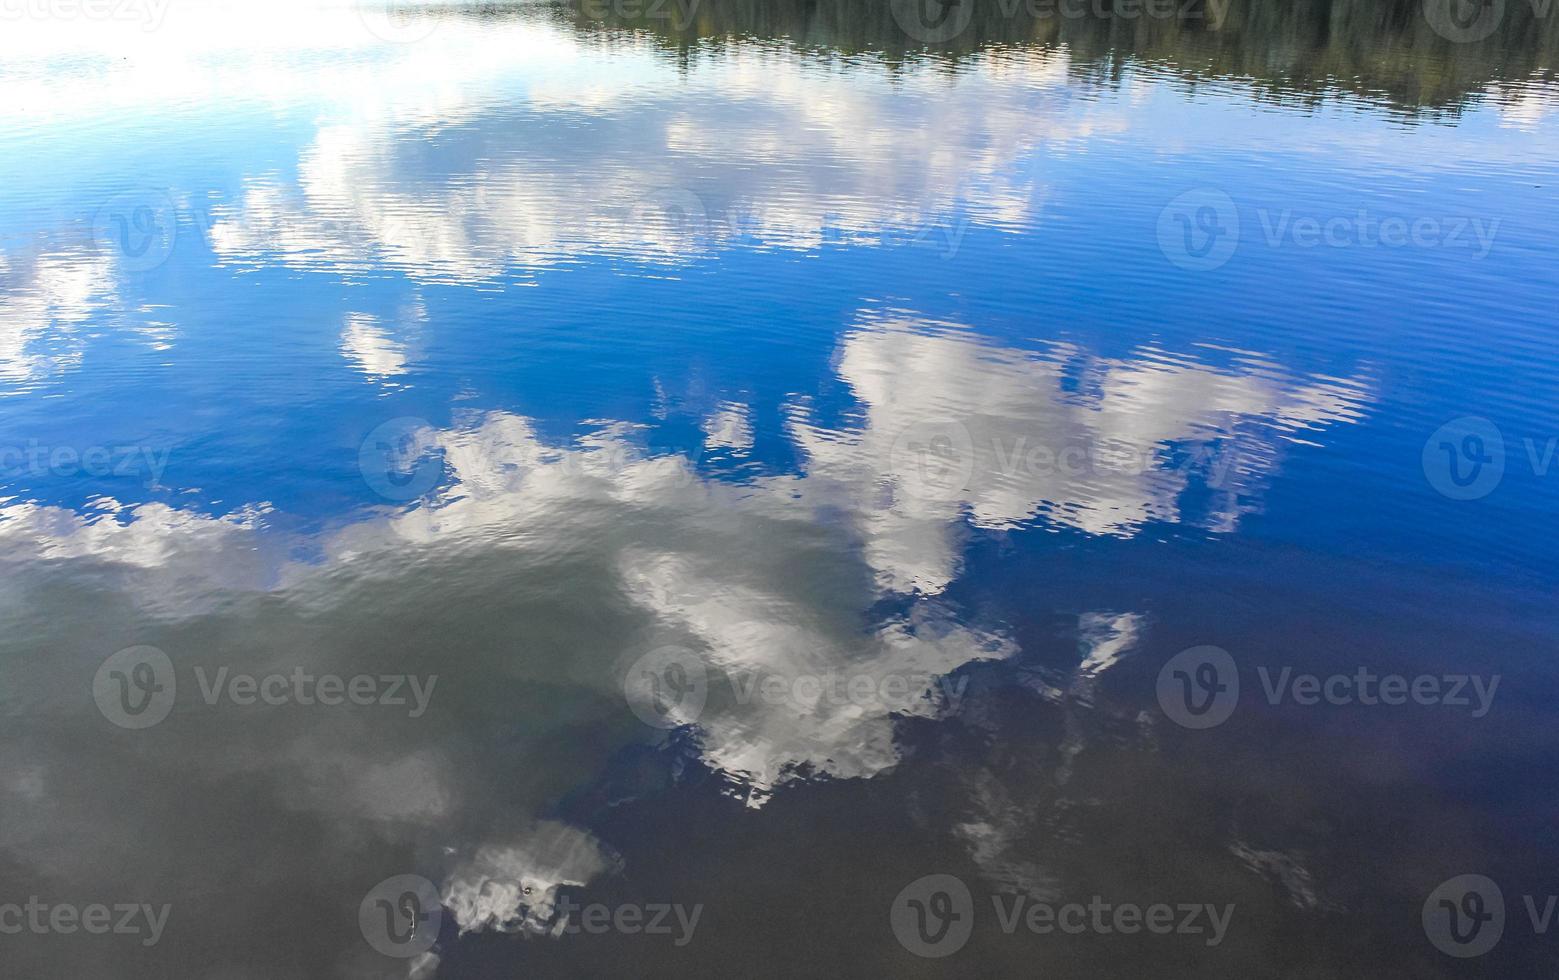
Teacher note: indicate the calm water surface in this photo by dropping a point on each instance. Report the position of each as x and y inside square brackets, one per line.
[719, 463]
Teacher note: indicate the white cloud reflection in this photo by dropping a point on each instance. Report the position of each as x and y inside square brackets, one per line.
[645, 177]
[647, 551]
[1104, 445]
[729, 428]
[370, 348]
[726, 588]
[46, 300]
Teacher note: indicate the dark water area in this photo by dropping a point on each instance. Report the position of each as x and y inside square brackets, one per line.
[700, 488]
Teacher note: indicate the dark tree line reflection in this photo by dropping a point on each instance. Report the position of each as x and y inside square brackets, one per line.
[1388, 52]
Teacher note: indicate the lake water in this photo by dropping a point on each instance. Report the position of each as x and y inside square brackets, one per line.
[703, 488]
